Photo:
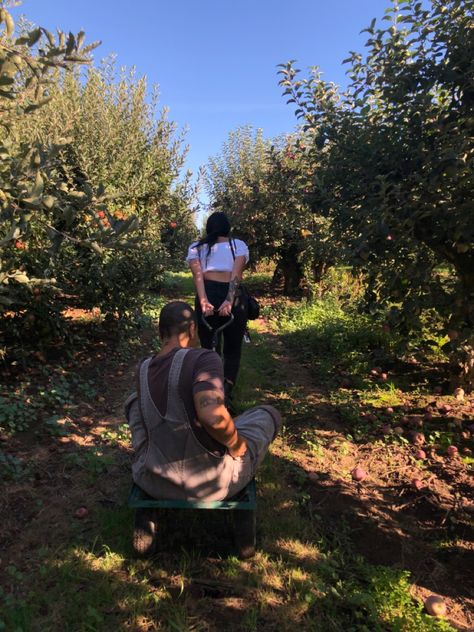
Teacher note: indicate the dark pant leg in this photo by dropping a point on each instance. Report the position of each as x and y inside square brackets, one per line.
[216, 293]
[233, 337]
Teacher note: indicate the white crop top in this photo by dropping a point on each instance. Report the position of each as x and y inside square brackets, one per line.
[220, 258]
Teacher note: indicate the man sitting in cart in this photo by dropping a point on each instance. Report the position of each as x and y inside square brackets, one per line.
[187, 446]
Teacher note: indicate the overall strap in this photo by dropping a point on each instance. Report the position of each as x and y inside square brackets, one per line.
[144, 398]
[175, 409]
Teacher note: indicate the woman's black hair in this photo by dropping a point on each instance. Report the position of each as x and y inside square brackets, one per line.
[217, 225]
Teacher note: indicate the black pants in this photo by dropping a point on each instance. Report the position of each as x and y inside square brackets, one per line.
[216, 292]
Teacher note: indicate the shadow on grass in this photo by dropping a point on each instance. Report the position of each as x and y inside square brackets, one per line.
[306, 574]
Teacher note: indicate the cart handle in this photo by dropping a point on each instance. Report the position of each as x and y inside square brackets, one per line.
[219, 329]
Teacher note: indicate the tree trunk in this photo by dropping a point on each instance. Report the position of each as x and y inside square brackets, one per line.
[292, 272]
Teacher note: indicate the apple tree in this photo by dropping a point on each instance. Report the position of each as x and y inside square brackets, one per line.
[265, 188]
[397, 173]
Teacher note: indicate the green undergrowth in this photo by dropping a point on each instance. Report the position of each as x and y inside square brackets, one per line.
[329, 337]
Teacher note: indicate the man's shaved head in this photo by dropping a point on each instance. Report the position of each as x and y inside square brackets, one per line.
[176, 318]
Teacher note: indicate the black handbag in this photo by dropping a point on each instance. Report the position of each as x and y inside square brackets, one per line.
[253, 307]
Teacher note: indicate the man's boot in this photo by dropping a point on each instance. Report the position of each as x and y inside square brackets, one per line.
[228, 386]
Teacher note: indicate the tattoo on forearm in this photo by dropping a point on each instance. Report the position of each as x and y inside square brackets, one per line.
[233, 285]
[210, 401]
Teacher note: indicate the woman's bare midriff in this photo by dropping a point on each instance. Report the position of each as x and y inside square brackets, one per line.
[223, 277]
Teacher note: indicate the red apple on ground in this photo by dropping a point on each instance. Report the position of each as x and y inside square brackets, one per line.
[435, 606]
[398, 430]
[452, 451]
[358, 474]
[383, 377]
[417, 438]
[420, 454]
[416, 484]
[81, 513]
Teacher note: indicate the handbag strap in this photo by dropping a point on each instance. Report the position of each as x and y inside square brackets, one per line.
[232, 248]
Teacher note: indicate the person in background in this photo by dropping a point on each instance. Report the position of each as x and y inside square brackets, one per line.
[217, 262]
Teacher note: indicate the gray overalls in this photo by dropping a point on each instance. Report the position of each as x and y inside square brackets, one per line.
[170, 462]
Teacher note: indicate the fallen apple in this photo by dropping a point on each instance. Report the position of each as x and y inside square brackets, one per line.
[398, 430]
[435, 606]
[389, 410]
[416, 484]
[417, 438]
[358, 474]
[383, 377]
[420, 454]
[416, 422]
[452, 451]
[428, 416]
[81, 513]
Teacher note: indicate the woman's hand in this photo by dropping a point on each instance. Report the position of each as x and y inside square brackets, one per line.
[206, 307]
[225, 309]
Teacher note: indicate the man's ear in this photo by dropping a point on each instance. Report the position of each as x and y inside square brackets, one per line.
[193, 333]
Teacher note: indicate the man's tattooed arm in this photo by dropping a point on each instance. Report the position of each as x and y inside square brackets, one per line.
[233, 285]
[210, 401]
[214, 416]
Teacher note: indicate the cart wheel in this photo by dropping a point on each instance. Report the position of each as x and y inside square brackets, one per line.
[245, 525]
[144, 532]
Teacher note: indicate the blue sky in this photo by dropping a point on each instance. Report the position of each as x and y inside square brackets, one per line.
[215, 60]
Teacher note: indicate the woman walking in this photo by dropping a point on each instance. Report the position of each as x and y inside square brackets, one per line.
[217, 262]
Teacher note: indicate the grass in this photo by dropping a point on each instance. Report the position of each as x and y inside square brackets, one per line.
[305, 575]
